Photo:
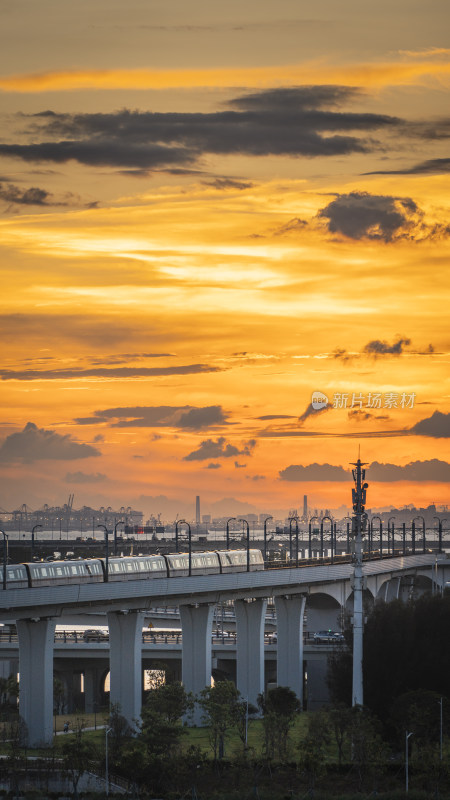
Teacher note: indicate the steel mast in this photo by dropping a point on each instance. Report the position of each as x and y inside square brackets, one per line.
[359, 523]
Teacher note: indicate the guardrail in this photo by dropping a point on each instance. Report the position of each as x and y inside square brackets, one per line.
[164, 637]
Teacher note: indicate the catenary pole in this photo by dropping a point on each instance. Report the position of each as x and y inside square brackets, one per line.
[359, 520]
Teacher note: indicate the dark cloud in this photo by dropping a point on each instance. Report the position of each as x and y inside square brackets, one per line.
[256, 477]
[103, 152]
[34, 196]
[239, 466]
[229, 183]
[124, 358]
[197, 418]
[379, 348]
[434, 166]
[27, 197]
[298, 121]
[37, 444]
[293, 226]
[277, 416]
[158, 416]
[83, 477]
[314, 472]
[436, 426]
[214, 466]
[219, 449]
[417, 471]
[313, 412]
[359, 215]
[90, 420]
[433, 470]
[359, 415]
[98, 372]
[52, 328]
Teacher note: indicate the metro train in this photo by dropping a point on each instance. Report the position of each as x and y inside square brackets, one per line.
[127, 568]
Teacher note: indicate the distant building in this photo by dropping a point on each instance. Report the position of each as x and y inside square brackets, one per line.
[197, 510]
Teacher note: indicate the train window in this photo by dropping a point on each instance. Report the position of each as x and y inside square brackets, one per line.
[59, 571]
[142, 565]
[43, 572]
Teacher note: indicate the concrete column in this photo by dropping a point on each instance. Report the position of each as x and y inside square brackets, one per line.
[125, 660]
[90, 676]
[250, 618]
[36, 678]
[196, 626]
[290, 611]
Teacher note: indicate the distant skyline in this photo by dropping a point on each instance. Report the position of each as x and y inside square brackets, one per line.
[211, 215]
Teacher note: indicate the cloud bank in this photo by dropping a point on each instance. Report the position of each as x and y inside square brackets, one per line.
[37, 444]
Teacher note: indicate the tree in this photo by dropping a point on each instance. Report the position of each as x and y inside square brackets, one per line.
[340, 718]
[369, 752]
[419, 712]
[313, 747]
[161, 727]
[280, 708]
[219, 703]
[77, 753]
[244, 712]
[404, 650]
[120, 732]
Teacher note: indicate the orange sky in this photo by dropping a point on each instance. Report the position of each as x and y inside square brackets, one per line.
[209, 214]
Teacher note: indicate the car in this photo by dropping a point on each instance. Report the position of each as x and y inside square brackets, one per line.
[94, 635]
[328, 637]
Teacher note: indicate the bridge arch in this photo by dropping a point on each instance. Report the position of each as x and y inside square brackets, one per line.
[323, 612]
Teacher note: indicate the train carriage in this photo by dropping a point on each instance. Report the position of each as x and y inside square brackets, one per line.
[16, 576]
[53, 573]
[236, 560]
[201, 564]
[135, 568]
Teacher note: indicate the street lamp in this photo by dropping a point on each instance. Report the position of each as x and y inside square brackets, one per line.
[5, 556]
[407, 735]
[107, 732]
[393, 546]
[423, 533]
[121, 522]
[244, 521]
[291, 520]
[331, 532]
[228, 531]
[349, 524]
[265, 537]
[440, 521]
[310, 534]
[32, 539]
[106, 551]
[381, 532]
[183, 522]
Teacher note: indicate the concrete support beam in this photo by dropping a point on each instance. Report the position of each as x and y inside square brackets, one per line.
[290, 612]
[250, 617]
[196, 626]
[125, 659]
[89, 690]
[36, 679]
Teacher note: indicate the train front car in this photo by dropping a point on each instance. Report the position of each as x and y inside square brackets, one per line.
[236, 560]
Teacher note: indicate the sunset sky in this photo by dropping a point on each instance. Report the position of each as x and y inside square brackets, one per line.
[209, 212]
